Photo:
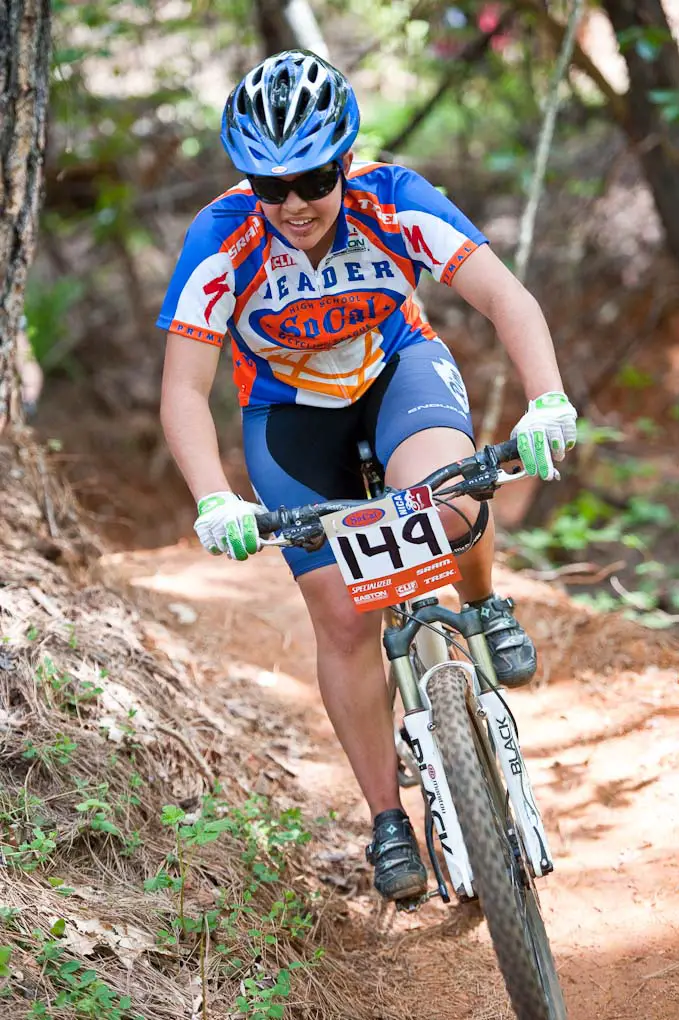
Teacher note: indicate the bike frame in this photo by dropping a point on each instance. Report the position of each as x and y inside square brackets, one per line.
[422, 632]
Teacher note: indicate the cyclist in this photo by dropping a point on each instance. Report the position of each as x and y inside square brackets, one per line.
[308, 266]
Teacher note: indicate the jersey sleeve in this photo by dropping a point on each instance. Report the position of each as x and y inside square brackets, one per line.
[200, 298]
[437, 235]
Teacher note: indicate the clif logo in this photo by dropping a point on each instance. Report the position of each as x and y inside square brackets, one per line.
[404, 590]
[362, 518]
[283, 261]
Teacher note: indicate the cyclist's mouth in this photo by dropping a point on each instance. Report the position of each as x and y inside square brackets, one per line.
[300, 227]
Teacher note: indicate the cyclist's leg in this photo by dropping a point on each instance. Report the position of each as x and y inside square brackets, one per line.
[286, 468]
[421, 422]
[284, 465]
[419, 455]
[352, 683]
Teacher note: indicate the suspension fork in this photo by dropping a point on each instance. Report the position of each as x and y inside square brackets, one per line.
[439, 806]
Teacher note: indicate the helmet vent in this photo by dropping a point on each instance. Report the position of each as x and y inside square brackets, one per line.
[258, 104]
[303, 151]
[324, 96]
[312, 73]
[303, 102]
[257, 76]
[339, 131]
[240, 101]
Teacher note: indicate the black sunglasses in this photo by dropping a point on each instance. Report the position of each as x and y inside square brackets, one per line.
[309, 187]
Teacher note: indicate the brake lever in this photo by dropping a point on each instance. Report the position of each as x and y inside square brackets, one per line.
[503, 477]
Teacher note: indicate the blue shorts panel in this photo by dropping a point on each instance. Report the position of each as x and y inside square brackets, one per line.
[298, 454]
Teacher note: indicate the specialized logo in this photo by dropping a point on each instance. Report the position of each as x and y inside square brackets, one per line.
[279, 169]
[418, 243]
[453, 380]
[362, 518]
[320, 323]
[219, 287]
[407, 502]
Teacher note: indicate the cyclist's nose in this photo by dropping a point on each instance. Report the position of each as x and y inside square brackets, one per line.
[293, 204]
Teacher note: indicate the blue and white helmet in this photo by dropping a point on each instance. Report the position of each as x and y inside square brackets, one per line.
[291, 113]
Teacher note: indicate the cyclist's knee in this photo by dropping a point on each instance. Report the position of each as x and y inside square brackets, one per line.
[338, 626]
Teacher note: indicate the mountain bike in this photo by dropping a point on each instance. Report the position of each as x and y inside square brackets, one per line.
[459, 738]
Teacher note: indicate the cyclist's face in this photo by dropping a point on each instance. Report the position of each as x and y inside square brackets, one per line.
[310, 226]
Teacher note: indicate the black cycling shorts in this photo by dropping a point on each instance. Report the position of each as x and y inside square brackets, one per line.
[297, 454]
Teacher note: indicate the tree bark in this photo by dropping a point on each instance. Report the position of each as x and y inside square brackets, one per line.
[24, 88]
[287, 25]
[656, 141]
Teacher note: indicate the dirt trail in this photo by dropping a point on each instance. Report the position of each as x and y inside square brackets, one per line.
[599, 729]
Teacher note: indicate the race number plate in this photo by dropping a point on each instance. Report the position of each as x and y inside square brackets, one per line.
[392, 549]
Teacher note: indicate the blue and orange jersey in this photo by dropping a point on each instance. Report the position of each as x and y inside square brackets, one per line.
[320, 335]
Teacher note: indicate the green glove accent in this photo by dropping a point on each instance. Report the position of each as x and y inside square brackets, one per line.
[235, 540]
[209, 503]
[541, 455]
[526, 453]
[548, 400]
[250, 533]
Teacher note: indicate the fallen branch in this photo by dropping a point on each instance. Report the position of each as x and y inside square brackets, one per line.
[576, 573]
[193, 754]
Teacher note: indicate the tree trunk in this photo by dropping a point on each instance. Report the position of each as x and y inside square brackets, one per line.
[24, 86]
[287, 25]
[656, 140]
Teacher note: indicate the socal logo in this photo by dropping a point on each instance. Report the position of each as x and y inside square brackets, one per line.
[362, 518]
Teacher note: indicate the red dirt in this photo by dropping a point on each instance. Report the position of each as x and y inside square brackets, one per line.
[598, 728]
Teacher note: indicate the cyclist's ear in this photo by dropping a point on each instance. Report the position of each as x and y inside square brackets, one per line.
[347, 160]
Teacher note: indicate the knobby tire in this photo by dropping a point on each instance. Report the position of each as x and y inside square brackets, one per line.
[504, 888]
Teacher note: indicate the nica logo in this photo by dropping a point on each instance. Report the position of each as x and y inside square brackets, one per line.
[362, 518]
[407, 502]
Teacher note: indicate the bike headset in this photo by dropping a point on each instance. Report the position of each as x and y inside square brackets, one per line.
[292, 113]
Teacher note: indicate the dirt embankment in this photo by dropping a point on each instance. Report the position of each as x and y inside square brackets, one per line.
[208, 672]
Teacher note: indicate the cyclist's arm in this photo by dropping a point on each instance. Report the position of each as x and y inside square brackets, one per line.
[195, 312]
[440, 238]
[486, 283]
[185, 414]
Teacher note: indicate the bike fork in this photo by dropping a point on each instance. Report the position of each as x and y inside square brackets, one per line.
[439, 802]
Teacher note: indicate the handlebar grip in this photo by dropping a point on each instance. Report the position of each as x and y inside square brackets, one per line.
[268, 523]
[506, 451]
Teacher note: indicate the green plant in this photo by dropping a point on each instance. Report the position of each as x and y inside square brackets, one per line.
[97, 819]
[78, 989]
[59, 752]
[31, 855]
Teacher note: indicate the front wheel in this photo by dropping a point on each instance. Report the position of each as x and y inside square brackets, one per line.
[501, 879]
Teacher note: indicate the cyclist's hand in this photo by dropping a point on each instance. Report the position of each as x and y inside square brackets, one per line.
[226, 524]
[545, 432]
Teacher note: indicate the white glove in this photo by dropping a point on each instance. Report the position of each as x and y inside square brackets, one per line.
[545, 432]
[226, 524]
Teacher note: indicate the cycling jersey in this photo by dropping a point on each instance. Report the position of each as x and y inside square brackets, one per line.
[317, 336]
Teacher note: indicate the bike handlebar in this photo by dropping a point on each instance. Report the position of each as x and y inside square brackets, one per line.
[479, 478]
